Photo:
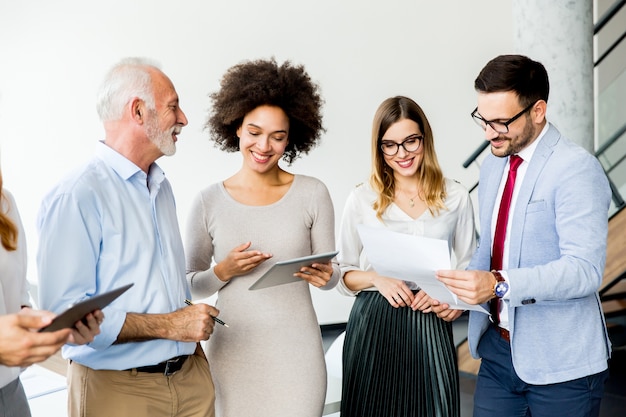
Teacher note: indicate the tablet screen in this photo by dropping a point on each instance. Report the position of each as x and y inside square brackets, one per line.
[282, 272]
[79, 310]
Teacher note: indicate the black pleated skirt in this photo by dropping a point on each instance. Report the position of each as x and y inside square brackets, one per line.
[397, 362]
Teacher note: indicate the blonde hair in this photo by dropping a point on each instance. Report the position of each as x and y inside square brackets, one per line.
[8, 230]
[430, 177]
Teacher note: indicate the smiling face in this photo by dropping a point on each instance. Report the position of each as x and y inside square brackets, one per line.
[263, 138]
[403, 163]
[166, 121]
[501, 106]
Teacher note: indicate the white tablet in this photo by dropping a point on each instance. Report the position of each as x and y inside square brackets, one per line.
[282, 272]
[79, 310]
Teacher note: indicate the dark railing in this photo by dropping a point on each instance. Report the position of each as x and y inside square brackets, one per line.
[602, 149]
[606, 17]
[476, 154]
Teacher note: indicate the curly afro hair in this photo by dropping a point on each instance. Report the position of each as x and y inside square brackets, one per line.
[251, 84]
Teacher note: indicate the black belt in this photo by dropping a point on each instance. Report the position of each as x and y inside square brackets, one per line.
[167, 368]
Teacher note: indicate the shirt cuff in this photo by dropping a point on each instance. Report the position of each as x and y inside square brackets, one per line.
[109, 329]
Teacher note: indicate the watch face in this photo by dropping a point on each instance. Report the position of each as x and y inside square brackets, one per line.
[501, 289]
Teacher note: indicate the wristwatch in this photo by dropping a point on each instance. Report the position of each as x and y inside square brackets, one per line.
[501, 287]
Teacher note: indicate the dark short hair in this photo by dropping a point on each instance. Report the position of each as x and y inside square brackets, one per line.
[251, 84]
[517, 73]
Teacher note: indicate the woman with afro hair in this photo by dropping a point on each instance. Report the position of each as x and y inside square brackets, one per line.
[270, 360]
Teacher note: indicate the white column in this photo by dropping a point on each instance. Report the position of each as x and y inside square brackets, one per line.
[559, 34]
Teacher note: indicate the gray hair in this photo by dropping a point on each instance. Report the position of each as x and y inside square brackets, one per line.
[126, 80]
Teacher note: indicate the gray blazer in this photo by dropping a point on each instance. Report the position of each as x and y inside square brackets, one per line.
[556, 262]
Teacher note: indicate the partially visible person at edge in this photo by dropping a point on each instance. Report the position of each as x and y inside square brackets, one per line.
[399, 360]
[116, 219]
[20, 343]
[545, 350]
[270, 361]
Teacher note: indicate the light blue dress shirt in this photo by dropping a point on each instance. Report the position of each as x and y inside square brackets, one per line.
[103, 226]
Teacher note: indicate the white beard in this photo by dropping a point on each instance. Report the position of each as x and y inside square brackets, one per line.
[162, 139]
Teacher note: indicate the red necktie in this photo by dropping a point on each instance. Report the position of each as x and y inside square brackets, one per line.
[500, 233]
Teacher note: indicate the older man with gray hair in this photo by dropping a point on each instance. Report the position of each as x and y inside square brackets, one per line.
[113, 222]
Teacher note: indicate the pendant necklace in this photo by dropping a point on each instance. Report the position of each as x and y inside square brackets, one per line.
[411, 199]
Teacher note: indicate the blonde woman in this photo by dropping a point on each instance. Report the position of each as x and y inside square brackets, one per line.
[398, 358]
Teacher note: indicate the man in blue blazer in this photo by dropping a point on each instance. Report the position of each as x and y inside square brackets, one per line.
[545, 352]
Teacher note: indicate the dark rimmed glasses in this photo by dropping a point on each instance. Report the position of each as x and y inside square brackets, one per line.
[410, 144]
[500, 127]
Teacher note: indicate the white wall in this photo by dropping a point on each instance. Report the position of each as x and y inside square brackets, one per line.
[53, 55]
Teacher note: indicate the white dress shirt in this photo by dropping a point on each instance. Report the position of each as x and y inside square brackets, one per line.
[526, 154]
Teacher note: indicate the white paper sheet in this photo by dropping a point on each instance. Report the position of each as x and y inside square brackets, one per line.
[412, 258]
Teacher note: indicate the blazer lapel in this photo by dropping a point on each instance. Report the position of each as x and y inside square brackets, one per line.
[545, 148]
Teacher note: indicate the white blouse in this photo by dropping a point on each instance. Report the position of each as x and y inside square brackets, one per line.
[455, 224]
[13, 283]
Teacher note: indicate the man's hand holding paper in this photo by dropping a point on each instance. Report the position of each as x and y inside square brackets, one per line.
[412, 258]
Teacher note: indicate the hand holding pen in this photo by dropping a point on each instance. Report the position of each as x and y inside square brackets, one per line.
[217, 320]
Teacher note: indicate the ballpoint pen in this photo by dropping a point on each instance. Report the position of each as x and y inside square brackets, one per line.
[217, 320]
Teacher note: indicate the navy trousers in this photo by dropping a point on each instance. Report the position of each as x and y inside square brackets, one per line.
[500, 392]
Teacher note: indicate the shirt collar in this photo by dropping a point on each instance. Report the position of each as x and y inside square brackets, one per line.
[123, 166]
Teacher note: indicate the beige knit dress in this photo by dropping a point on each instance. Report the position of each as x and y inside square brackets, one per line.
[270, 361]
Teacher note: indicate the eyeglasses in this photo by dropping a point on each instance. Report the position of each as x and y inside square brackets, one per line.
[500, 127]
[410, 144]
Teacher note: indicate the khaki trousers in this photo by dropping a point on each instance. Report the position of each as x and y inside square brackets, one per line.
[187, 393]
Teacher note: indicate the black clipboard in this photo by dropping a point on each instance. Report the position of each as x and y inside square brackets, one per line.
[79, 310]
[282, 272]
